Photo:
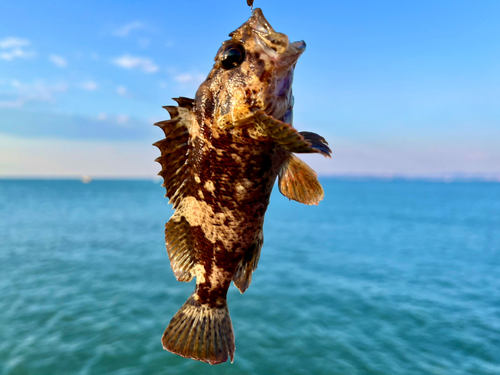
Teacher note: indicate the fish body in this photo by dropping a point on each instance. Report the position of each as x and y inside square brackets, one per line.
[220, 158]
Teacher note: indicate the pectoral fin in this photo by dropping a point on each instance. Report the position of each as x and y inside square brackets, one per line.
[299, 182]
[317, 142]
[289, 138]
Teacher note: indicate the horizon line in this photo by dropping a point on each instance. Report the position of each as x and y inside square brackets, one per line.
[444, 177]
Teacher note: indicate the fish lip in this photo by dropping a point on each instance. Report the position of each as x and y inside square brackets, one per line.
[300, 45]
[292, 53]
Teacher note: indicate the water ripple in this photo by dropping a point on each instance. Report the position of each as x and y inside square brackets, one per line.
[380, 278]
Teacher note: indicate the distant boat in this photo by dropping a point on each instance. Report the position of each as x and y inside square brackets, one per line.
[86, 179]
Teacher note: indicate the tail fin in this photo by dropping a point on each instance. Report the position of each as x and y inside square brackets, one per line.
[200, 332]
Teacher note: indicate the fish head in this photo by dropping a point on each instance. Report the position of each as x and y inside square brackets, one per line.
[253, 71]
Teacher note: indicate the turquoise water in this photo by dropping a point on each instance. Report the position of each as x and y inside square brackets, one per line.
[383, 277]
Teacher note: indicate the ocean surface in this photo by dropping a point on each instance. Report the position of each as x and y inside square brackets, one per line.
[383, 277]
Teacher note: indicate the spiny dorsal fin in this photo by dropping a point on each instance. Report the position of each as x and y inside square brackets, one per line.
[185, 102]
[175, 148]
[299, 182]
[243, 275]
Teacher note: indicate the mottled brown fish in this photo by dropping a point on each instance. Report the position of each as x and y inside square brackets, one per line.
[220, 158]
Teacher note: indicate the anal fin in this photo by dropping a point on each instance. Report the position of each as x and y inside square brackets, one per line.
[299, 182]
[180, 248]
[243, 275]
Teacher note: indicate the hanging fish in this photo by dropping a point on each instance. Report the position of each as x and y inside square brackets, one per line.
[221, 155]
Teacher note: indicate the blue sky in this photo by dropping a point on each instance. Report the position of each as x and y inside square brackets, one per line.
[396, 87]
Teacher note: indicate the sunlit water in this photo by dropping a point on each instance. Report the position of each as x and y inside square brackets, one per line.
[383, 277]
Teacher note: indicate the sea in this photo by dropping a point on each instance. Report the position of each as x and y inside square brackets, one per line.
[382, 277]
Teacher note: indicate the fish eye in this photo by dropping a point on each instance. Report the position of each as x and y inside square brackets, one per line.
[232, 56]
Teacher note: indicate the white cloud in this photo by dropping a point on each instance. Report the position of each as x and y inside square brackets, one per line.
[13, 42]
[14, 103]
[14, 48]
[183, 77]
[44, 123]
[122, 90]
[90, 86]
[126, 29]
[122, 119]
[189, 78]
[60, 61]
[32, 92]
[15, 53]
[143, 42]
[46, 91]
[132, 62]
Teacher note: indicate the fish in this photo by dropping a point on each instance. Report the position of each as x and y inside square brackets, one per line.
[221, 155]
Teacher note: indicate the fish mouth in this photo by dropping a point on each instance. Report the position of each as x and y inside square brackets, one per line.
[276, 41]
[300, 46]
